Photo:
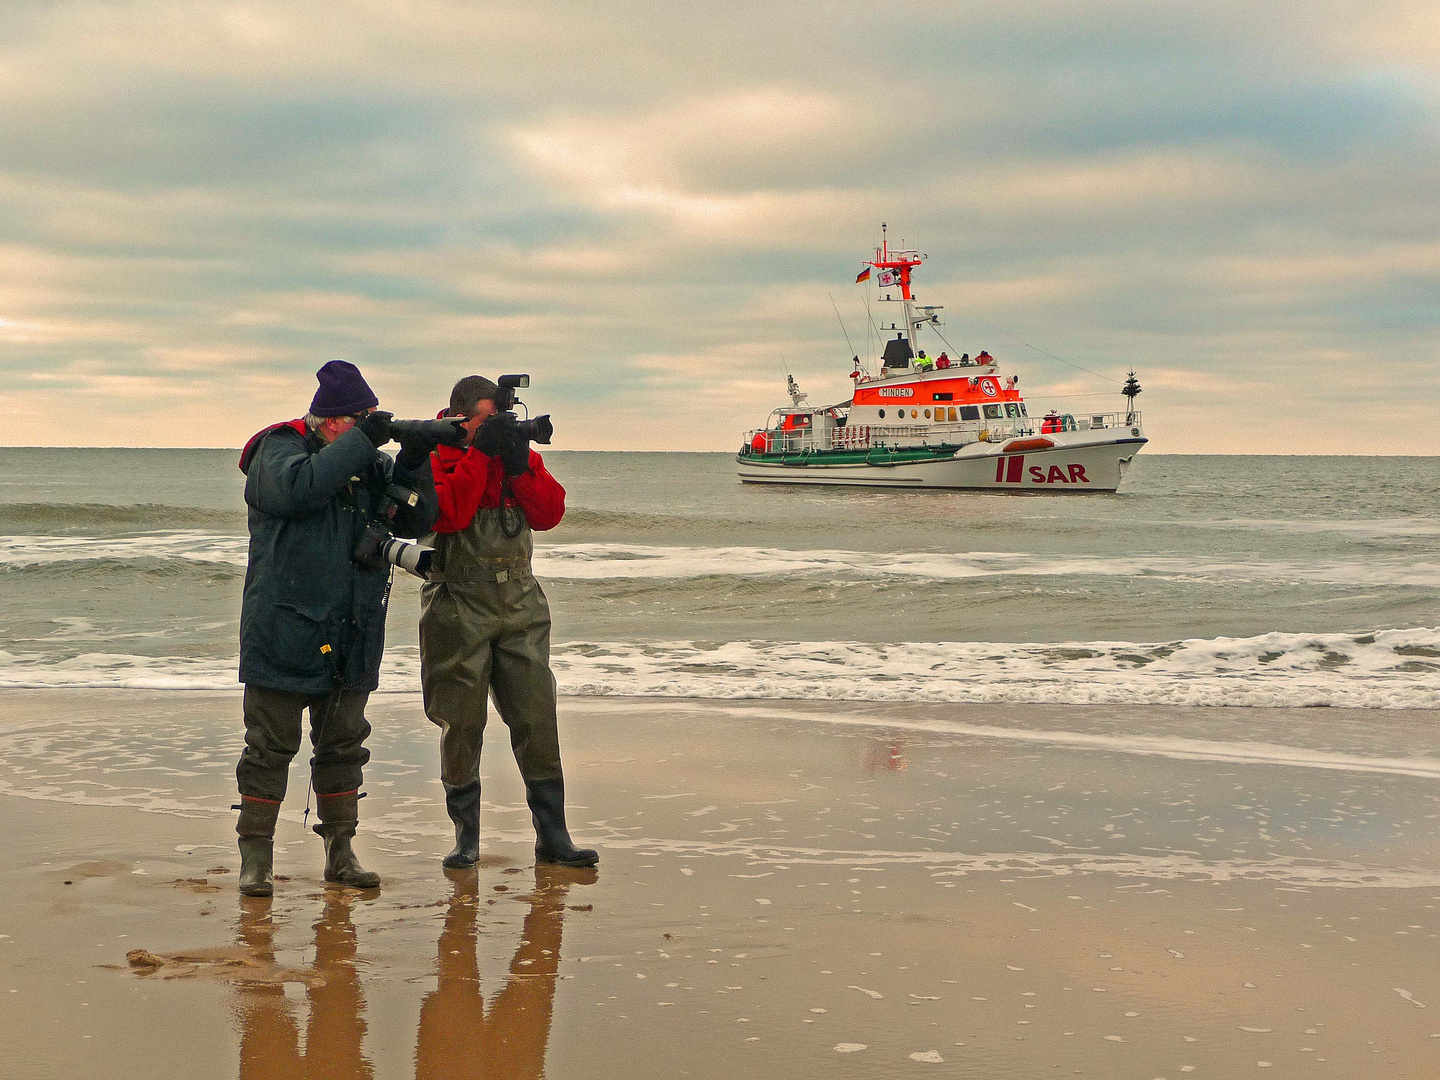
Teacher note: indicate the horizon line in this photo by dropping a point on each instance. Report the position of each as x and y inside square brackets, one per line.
[731, 453]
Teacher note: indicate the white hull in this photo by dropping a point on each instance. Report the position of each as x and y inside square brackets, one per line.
[1065, 469]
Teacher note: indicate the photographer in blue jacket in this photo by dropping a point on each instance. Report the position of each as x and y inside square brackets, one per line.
[312, 623]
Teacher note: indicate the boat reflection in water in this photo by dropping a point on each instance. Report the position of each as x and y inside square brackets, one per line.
[458, 1035]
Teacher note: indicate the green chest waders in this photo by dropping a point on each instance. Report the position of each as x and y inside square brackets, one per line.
[485, 632]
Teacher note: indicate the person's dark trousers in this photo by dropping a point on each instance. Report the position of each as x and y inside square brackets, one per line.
[272, 739]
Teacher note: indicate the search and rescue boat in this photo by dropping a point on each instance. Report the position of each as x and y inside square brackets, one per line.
[938, 422]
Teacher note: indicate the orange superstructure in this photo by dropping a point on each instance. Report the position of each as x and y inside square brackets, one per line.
[974, 390]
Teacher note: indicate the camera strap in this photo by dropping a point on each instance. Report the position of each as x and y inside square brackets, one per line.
[385, 597]
[512, 517]
[337, 677]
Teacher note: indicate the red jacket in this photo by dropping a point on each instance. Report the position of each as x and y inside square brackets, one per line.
[467, 480]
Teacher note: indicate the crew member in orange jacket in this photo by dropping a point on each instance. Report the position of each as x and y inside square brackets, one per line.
[485, 623]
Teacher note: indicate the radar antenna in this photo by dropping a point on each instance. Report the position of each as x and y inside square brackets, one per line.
[793, 389]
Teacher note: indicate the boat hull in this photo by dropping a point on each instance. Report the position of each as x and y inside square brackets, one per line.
[1067, 469]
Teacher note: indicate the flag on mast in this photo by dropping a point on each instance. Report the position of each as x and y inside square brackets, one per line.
[864, 275]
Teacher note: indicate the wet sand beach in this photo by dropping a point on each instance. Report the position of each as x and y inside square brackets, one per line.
[786, 889]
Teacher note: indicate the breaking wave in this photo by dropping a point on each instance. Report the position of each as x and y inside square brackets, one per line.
[1387, 669]
[605, 561]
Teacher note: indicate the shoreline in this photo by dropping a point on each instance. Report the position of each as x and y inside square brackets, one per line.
[799, 889]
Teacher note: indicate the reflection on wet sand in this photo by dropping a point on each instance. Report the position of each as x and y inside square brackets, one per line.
[458, 1036]
[269, 1032]
[885, 755]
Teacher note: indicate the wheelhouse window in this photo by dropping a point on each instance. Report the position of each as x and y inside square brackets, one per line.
[992, 412]
[969, 412]
[1011, 409]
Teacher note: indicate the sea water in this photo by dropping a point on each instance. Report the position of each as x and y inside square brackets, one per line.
[1259, 581]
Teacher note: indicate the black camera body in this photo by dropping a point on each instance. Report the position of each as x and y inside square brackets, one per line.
[378, 548]
[540, 429]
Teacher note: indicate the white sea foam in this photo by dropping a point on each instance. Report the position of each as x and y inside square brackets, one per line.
[577, 562]
[189, 545]
[609, 561]
[1397, 669]
[42, 671]
[1390, 669]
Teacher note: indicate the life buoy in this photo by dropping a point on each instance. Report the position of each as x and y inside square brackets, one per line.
[1067, 423]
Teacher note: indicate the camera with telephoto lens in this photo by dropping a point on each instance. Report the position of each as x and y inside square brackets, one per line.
[378, 548]
[537, 430]
[432, 432]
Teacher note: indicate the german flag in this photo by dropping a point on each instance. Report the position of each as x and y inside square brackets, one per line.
[864, 275]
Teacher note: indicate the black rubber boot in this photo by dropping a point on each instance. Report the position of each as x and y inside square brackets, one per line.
[256, 829]
[463, 806]
[339, 817]
[552, 838]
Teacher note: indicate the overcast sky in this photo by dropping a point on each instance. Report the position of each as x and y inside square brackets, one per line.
[649, 207]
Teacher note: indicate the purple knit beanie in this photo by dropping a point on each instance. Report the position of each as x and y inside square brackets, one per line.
[343, 391]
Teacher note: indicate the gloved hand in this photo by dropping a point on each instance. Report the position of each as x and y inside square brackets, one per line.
[457, 435]
[490, 435]
[376, 426]
[413, 452]
[515, 454]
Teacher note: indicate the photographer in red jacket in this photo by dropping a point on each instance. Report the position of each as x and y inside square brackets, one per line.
[485, 622]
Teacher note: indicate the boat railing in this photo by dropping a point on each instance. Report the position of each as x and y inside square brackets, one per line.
[1088, 421]
[862, 437]
[866, 436]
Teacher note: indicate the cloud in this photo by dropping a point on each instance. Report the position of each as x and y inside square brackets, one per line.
[653, 209]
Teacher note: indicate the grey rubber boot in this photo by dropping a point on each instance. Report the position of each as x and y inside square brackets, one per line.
[463, 806]
[339, 817]
[552, 838]
[256, 829]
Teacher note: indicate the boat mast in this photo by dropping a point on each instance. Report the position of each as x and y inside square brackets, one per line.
[895, 272]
